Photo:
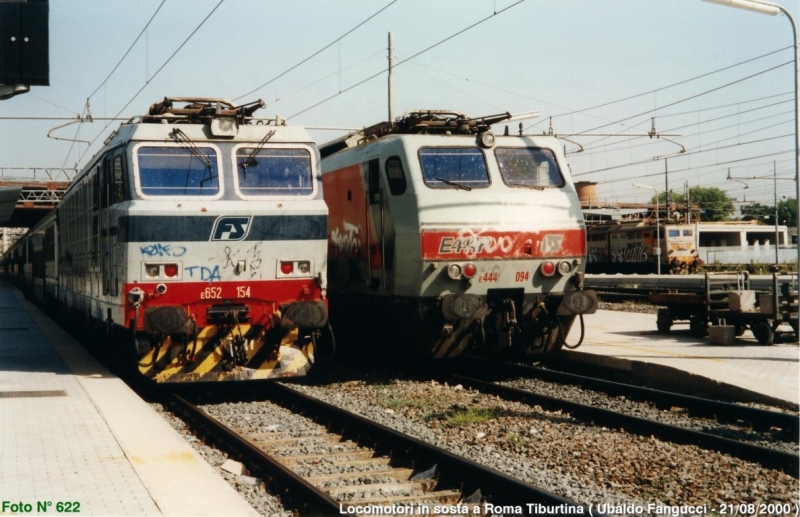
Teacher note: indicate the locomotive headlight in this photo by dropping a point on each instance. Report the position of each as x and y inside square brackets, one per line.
[295, 269]
[548, 268]
[136, 296]
[469, 270]
[170, 270]
[152, 270]
[487, 139]
[564, 268]
[224, 126]
[454, 271]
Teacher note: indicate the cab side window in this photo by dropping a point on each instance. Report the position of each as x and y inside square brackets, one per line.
[395, 176]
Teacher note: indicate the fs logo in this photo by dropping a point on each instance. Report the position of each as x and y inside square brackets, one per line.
[551, 243]
[230, 228]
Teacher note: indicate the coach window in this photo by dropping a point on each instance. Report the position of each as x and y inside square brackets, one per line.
[118, 186]
[687, 233]
[273, 172]
[673, 233]
[454, 168]
[177, 171]
[395, 176]
[529, 167]
[104, 181]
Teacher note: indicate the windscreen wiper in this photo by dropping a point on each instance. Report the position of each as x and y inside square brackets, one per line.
[184, 140]
[453, 183]
[250, 161]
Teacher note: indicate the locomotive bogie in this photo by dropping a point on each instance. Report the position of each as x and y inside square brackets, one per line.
[287, 355]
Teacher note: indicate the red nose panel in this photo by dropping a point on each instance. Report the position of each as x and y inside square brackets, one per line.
[452, 245]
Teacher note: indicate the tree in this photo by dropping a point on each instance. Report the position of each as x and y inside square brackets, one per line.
[787, 211]
[756, 212]
[714, 203]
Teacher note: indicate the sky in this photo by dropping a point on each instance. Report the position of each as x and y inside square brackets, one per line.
[713, 80]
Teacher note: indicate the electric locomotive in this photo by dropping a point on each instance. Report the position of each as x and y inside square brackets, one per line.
[194, 243]
[449, 239]
[630, 247]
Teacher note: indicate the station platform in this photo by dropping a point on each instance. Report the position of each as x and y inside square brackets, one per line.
[744, 371]
[76, 439]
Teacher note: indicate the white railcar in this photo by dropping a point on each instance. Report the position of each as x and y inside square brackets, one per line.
[194, 242]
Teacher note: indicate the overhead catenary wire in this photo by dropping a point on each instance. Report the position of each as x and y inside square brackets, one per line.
[415, 68]
[694, 168]
[323, 101]
[297, 90]
[128, 51]
[707, 121]
[604, 148]
[706, 92]
[609, 103]
[147, 82]
[318, 51]
[689, 153]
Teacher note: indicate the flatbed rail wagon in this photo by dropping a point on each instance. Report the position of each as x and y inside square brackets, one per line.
[727, 300]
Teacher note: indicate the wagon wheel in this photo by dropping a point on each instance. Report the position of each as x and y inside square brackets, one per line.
[764, 333]
[663, 321]
[698, 326]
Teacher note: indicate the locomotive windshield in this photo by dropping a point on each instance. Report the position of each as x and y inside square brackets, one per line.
[529, 167]
[271, 172]
[178, 171]
[463, 168]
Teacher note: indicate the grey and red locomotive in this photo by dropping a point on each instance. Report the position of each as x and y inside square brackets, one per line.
[452, 239]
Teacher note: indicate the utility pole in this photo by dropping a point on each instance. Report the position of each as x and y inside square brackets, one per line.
[666, 185]
[775, 183]
[391, 79]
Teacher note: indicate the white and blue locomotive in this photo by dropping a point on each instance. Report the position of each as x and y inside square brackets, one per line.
[193, 242]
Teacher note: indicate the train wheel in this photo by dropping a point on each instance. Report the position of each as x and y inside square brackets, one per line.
[698, 326]
[764, 333]
[663, 321]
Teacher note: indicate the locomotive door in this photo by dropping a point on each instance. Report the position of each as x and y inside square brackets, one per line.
[381, 251]
[377, 275]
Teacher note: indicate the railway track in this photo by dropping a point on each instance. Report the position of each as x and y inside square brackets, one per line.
[478, 375]
[343, 462]
[721, 411]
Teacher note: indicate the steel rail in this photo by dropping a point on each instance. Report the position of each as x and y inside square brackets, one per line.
[454, 470]
[770, 458]
[725, 412]
[295, 491]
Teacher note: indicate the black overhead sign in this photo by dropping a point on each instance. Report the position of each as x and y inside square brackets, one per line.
[24, 42]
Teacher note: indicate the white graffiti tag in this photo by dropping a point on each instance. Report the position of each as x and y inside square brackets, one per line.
[346, 243]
